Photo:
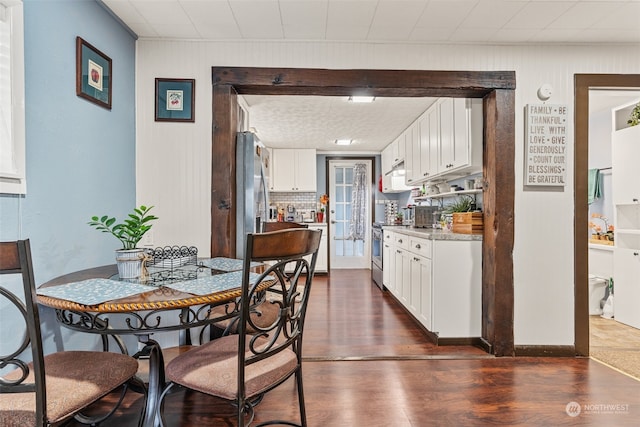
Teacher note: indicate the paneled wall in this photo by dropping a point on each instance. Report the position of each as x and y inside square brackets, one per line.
[176, 177]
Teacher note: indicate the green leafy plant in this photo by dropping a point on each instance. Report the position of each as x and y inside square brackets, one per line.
[464, 203]
[634, 117]
[130, 231]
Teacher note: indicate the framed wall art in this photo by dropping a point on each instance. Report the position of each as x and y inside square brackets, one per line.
[93, 74]
[175, 100]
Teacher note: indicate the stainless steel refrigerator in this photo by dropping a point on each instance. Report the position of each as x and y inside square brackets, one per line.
[252, 180]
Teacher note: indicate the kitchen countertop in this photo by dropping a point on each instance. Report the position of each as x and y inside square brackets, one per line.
[430, 233]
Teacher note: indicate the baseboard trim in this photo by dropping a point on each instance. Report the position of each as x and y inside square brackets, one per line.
[474, 341]
[545, 350]
[486, 345]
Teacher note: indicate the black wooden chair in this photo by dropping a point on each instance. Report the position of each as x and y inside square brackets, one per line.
[50, 389]
[242, 367]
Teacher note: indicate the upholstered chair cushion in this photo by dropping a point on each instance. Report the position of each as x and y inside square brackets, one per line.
[74, 380]
[212, 368]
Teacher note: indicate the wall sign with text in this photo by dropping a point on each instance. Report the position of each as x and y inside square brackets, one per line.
[545, 145]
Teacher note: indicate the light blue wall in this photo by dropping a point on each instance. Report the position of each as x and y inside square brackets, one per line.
[80, 156]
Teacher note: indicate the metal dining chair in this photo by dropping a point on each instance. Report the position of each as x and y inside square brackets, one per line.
[51, 389]
[265, 313]
[242, 367]
[281, 225]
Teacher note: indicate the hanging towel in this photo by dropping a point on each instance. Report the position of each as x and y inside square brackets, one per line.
[594, 185]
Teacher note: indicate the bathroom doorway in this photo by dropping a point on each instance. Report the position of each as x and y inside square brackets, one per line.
[584, 85]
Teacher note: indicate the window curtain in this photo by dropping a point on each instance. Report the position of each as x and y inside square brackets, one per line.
[357, 225]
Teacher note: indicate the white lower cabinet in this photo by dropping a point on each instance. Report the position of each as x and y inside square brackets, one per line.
[322, 262]
[388, 261]
[402, 289]
[438, 281]
[420, 305]
[626, 289]
[457, 288]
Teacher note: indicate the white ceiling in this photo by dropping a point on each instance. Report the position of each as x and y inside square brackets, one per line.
[450, 21]
[315, 122]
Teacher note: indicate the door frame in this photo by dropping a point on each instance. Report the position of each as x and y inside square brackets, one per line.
[582, 84]
[496, 88]
[372, 164]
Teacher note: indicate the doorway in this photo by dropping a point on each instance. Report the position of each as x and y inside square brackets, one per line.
[496, 88]
[350, 213]
[583, 83]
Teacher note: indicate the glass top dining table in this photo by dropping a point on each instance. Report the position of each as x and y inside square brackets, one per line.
[177, 298]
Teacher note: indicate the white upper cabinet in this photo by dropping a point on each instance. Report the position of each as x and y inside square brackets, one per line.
[460, 136]
[389, 157]
[400, 149]
[444, 142]
[625, 152]
[386, 159]
[424, 139]
[431, 168]
[446, 136]
[294, 170]
[412, 158]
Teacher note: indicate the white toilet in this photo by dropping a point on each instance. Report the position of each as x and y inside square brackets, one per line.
[600, 270]
[597, 287]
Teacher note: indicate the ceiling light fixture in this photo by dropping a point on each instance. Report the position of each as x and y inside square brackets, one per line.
[343, 141]
[362, 98]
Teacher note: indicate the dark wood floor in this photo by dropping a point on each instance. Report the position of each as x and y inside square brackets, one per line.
[367, 364]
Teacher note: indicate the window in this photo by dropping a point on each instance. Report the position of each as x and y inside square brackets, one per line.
[12, 133]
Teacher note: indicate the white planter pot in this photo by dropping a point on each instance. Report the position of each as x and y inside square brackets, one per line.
[129, 263]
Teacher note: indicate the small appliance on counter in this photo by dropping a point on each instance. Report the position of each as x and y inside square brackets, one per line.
[273, 213]
[290, 214]
[423, 216]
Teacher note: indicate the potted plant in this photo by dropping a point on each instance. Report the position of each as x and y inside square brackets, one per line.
[129, 232]
[324, 199]
[399, 218]
[634, 117]
[464, 218]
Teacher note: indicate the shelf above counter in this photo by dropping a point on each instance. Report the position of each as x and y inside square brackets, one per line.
[448, 194]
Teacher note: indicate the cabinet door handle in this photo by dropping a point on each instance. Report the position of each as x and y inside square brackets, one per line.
[636, 254]
[416, 259]
[635, 200]
[418, 246]
[399, 240]
[398, 251]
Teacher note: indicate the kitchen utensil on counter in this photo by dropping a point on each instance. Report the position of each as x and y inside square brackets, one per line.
[443, 187]
[432, 190]
[469, 184]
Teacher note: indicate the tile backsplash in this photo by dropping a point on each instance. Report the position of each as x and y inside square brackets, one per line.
[300, 200]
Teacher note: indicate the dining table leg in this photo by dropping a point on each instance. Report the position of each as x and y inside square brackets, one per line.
[153, 352]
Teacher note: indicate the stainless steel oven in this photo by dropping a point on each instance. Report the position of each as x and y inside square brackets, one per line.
[376, 254]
